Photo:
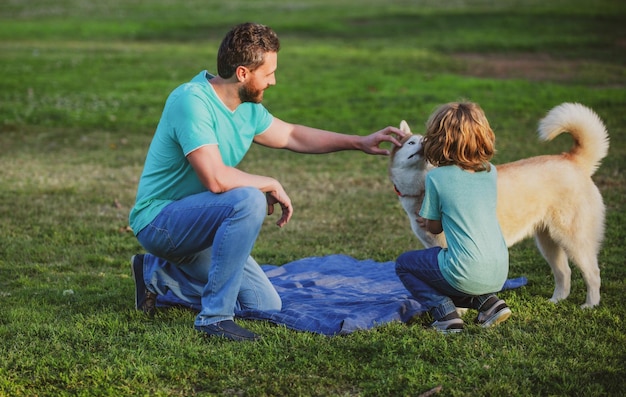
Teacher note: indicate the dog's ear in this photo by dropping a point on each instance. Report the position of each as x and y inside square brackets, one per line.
[404, 126]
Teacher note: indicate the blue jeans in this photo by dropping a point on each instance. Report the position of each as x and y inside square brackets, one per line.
[199, 248]
[420, 274]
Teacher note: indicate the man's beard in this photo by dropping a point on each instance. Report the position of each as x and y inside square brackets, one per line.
[248, 94]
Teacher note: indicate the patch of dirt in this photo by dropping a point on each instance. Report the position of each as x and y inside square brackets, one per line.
[534, 67]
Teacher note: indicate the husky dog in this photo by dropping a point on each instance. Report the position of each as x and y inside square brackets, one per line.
[550, 197]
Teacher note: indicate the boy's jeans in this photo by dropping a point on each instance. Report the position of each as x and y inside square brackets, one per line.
[199, 248]
[420, 274]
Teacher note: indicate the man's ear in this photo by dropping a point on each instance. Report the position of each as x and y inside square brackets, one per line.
[242, 73]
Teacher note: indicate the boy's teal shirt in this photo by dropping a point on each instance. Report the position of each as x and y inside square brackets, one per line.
[193, 116]
[476, 261]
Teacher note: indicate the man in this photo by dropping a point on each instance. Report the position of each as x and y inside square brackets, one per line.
[196, 214]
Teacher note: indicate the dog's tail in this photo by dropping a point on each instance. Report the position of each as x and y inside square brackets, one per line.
[591, 140]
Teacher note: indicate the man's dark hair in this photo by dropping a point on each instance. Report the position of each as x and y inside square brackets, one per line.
[245, 45]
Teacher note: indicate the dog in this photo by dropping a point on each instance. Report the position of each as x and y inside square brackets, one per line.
[550, 197]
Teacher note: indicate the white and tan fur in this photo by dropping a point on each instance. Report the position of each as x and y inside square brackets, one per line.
[550, 197]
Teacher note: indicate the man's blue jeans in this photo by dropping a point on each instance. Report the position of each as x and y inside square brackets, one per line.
[199, 248]
[420, 274]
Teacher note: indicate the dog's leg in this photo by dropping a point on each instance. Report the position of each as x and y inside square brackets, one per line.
[556, 257]
[583, 251]
[580, 237]
[591, 275]
[584, 245]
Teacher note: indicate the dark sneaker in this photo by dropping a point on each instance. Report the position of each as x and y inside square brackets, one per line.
[495, 314]
[229, 330]
[452, 326]
[145, 300]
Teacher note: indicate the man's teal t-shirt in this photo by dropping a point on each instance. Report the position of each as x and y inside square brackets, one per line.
[476, 261]
[193, 116]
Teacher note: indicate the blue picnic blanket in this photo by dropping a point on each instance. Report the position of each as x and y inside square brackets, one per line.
[337, 295]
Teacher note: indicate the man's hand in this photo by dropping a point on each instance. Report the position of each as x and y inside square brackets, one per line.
[279, 197]
[371, 144]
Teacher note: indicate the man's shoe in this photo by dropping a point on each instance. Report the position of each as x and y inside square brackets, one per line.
[145, 300]
[229, 330]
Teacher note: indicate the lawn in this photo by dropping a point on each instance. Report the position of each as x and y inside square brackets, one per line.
[82, 85]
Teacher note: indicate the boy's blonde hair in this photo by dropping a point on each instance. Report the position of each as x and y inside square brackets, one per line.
[458, 133]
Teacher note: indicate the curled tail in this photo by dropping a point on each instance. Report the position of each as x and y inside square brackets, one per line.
[591, 140]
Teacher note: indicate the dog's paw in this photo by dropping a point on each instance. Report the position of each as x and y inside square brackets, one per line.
[554, 300]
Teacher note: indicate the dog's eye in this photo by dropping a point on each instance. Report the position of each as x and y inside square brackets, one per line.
[411, 143]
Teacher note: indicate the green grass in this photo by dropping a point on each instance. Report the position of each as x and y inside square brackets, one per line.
[81, 90]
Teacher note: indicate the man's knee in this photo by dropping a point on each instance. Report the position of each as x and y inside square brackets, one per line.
[250, 196]
[260, 299]
[273, 304]
[251, 200]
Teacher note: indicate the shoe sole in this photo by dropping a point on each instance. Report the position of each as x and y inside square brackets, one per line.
[497, 318]
[450, 331]
[453, 326]
[237, 335]
[132, 269]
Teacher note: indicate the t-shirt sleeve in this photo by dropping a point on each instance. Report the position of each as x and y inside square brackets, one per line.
[431, 208]
[264, 118]
[192, 123]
